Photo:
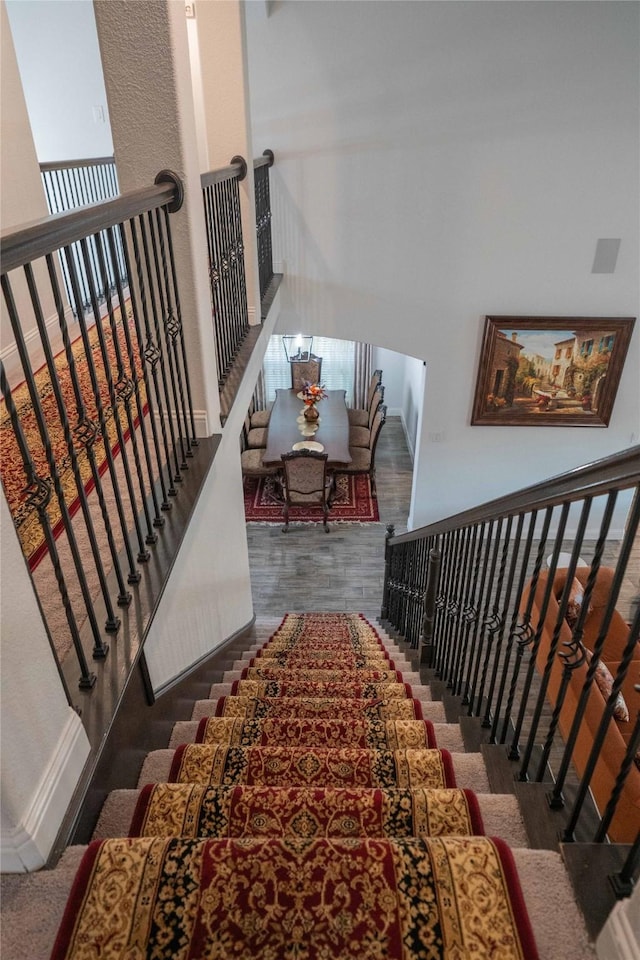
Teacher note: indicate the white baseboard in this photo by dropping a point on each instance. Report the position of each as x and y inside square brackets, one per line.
[27, 846]
[9, 353]
[618, 939]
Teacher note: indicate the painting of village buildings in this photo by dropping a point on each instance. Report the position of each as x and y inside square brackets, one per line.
[555, 371]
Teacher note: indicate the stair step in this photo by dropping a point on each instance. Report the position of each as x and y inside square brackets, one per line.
[431, 710]
[500, 815]
[557, 923]
[447, 735]
[469, 769]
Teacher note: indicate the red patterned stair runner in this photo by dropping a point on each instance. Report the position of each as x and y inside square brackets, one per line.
[314, 817]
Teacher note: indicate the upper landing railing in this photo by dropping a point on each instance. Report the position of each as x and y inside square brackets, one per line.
[97, 401]
[489, 597]
[73, 183]
[227, 277]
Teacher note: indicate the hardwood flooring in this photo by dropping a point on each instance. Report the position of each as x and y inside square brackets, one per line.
[308, 569]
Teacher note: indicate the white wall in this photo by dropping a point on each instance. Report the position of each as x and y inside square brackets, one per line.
[437, 162]
[43, 743]
[57, 49]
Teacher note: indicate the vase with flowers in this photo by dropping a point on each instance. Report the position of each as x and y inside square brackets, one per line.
[312, 394]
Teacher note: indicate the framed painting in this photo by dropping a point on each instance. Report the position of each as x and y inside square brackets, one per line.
[550, 371]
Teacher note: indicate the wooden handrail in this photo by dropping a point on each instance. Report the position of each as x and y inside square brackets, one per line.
[41, 237]
[65, 164]
[236, 169]
[266, 160]
[619, 470]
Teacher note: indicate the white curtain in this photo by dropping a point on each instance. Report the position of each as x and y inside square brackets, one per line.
[361, 374]
[338, 364]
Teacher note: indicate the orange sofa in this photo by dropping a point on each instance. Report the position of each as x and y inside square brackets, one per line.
[626, 822]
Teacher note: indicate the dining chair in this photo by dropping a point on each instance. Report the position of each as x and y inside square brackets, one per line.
[306, 483]
[363, 458]
[254, 437]
[361, 436]
[358, 416]
[305, 371]
[252, 466]
[258, 418]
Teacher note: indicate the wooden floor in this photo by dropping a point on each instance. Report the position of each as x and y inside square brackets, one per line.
[308, 569]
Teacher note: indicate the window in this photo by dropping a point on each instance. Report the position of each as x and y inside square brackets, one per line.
[338, 358]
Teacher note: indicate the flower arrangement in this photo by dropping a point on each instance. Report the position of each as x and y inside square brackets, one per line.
[312, 393]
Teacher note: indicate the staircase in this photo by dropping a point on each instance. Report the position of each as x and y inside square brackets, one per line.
[556, 922]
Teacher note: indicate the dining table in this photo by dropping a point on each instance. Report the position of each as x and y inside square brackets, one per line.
[288, 429]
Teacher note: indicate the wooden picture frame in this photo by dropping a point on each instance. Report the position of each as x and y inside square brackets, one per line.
[550, 371]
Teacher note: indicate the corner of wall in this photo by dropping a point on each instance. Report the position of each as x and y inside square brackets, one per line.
[27, 845]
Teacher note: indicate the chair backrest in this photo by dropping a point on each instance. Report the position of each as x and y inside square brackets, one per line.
[376, 379]
[378, 422]
[305, 370]
[378, 397]
[246, 426]
[305, 472]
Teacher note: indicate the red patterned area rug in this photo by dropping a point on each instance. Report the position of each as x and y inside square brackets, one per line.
[11, 468]
[352, 503]
[427, 898]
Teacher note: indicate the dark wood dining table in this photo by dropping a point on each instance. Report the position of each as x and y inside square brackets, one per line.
[284, 428]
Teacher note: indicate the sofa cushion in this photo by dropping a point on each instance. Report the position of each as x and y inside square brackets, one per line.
[575, 603]
[604, 682]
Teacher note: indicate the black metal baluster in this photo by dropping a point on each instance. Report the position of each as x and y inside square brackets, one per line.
[516, 634]
[86, 430]
[179, 333]
[152, 354]
[214, 279]
[100, 648]
[135, 309]
[489, 622]
[384, 610]
[598, 741]
[476, 644]
[161, 328]
[576, 658]
[133, 575]
[523, 773]
[510, 546]
[38, 491]
[126, 388]
[120, 393]
[463, 577]
[470, 611]
[112, 622]
[159, 342]
[623, 882]
[526, 636]
[172, 329]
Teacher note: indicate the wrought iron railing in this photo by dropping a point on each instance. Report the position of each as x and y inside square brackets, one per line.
[98, 416]
[263, 220]
[69, 184]
[227, 278]
[485, 596]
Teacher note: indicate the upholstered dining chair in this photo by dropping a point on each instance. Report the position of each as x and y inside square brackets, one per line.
[306, 483]
[258, 418]
[359, 417]
[305, 371]
[363, 458]
[252, 465]
[361, 436]
[254, 437]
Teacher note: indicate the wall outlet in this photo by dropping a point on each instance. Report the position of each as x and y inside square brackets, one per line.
[437, 436]
[190, 10]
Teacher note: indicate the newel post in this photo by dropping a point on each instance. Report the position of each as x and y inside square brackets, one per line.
[387, 564]
[427, 647]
